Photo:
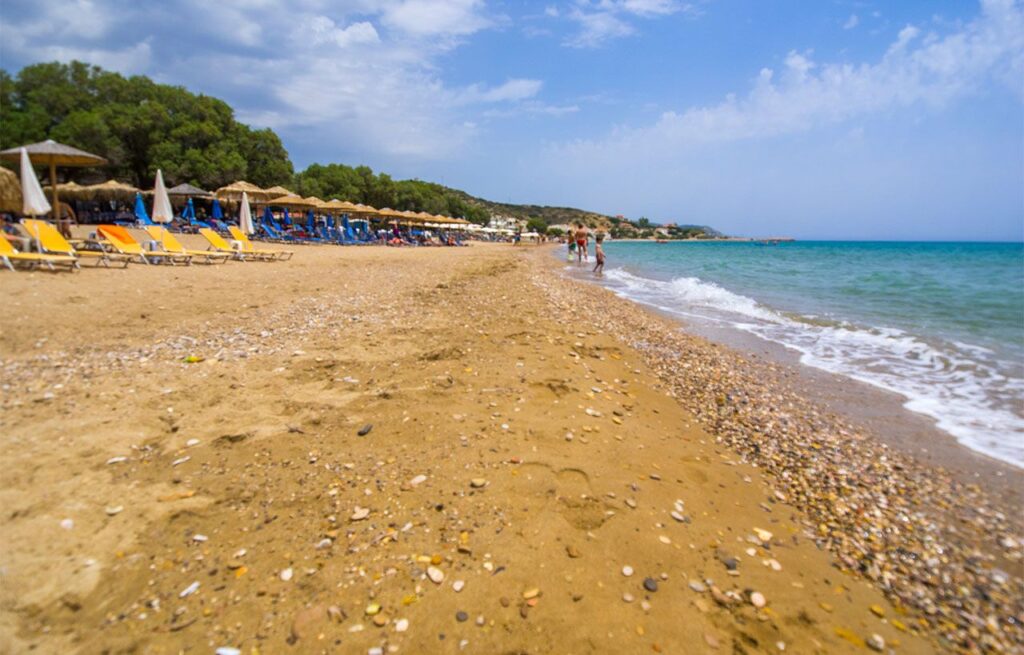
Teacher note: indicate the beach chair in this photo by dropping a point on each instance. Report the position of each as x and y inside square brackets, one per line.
[218, 244]
[123, 242]
[52, 242]
[249, 249]
[171, 244]
[9, 255]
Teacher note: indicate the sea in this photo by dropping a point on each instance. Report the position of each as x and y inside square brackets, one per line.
[941, 324]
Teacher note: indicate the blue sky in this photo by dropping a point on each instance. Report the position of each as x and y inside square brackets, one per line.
[830, 119]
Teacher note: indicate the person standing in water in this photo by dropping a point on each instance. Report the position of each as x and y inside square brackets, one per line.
[599, 253]
[581, 243]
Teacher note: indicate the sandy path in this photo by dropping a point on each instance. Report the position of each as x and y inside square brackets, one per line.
[463, 375]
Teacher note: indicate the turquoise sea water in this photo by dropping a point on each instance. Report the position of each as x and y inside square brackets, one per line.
[940, 323]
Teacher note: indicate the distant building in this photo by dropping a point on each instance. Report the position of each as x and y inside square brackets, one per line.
[500, 222]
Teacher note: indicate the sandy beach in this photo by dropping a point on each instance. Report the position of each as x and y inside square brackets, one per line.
[453, 450]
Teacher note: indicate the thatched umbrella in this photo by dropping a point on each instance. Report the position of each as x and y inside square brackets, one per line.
[68, 189]
[110, 189]
[54, 154]
[295, 202]
[189, 191]
[10, 191]
[279, 191]
[235, 190]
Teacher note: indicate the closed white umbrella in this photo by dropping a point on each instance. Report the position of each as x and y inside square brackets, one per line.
[245, 215]
[34, 203]
[162, 212]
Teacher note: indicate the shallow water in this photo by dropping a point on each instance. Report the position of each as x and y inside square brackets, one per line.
[940, 323]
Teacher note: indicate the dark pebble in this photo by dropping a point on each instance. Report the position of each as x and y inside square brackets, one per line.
[650, 584]
[365, 430]
[504, 602]
[461, 616]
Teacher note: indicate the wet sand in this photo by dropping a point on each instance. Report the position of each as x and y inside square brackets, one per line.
[184, 471]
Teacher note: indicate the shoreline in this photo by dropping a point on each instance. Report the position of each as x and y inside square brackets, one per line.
[740, 382]
[315, 469]
[879, 410]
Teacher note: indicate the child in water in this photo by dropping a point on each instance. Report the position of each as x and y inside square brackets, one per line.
[599, 253]
[572, 250]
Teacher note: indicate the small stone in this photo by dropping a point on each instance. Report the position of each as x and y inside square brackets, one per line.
[774, 564]
[435, 574]
[650, 584]
[877, 610]
[478, 483]
[458, 585]
[876, 642]
[113, 511]
[505, 602]
[401, 625]
[677, 516]
[572, 551]
[189, 590]
[697, 586]
[631, 503]
[763, 535]
[200, 538]
[627, 571]
[461, 616]
[419, 479]
[480, 621]
[192, 442]
[628, 597]
[365, 430]
[360, 513]
[336, 614]
[373, 609]
[324, 543]
[287, 574]
[757, 600]
[531, 593]
[117, 460]
[227, 650]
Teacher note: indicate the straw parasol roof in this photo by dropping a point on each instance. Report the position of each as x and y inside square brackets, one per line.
[10, 191]
[235, 190]
[110, 189]
[295, 201]
[279, 191]
[343, 205]
[54, 154]
[69, 189]
[188, 190]
[49, 151]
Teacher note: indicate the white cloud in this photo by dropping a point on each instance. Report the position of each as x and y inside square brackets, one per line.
[930, 72]
[551, 11]
[851, 22]
[603, 20]
[427, 18]
[512, 90]
[324, 30]
[596, 27]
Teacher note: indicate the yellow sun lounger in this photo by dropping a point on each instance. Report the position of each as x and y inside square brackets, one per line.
[218, 244]
[170, 243]
[51, 241]
[123, 242]
[9, 255]
[249, 249]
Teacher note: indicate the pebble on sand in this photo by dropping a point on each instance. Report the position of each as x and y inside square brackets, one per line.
[419, 479]
[365, 430]
[478, 483]
[435, 574]
[650, 584]
[401, 625]
[458, 585]
[287, 574]
[876, 642]
[757, 599]
[627, 570]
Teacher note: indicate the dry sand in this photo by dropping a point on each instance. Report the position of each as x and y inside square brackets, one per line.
[131, 476]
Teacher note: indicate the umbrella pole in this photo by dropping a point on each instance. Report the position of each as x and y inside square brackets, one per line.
[53, 187]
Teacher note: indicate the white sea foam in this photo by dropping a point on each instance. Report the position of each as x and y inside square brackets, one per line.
[963, 387]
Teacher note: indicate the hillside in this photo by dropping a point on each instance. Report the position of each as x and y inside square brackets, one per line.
[140, 126]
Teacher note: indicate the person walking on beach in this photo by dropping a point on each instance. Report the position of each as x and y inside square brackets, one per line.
[599, 253]
[581, 243]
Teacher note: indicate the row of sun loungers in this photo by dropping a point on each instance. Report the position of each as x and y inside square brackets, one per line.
[118, 246]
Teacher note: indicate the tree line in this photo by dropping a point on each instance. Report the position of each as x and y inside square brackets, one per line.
[140, 126]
